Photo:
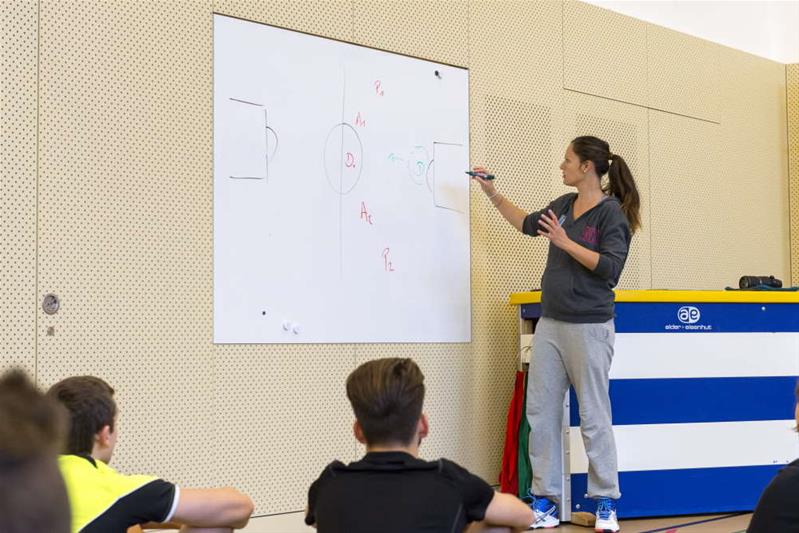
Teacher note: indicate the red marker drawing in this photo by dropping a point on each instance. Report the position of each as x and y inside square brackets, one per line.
[365, 214]
[386, 263]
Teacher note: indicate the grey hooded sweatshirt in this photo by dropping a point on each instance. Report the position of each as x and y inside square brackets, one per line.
[569, 291]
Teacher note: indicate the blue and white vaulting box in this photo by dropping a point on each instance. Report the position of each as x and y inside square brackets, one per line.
[702, 389]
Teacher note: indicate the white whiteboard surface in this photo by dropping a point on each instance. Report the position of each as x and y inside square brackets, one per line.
[341, 206]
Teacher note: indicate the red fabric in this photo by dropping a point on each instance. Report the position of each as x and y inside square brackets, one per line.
[508, 474]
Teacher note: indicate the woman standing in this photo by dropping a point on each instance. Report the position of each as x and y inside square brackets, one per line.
[589, 233]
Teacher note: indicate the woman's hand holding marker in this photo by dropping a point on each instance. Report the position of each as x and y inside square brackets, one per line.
[484, 178]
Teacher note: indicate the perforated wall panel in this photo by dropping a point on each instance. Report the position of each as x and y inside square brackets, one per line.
[689, 213]
[527, 61]
[281, 415]
[516, 106]
[683, 73]
[518, 146]
[430, 30]
[719, 192]
[125, 220]
[604, 53]
[18, 40]
[625, 128]
[792, 100]
[330, 18]
[754, 165]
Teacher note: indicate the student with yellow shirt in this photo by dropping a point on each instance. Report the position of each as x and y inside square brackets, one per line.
[103, 500]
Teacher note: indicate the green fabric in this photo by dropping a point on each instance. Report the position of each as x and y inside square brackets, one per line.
[524, 470]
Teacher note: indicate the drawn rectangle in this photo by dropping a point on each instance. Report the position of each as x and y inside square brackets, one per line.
[244, 132]
[451, 184]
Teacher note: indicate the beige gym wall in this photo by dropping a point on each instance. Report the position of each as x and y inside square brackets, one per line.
[107, 192]
[792, 81]
[18, 300]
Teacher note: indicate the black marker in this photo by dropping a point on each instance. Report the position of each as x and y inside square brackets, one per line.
[480, 175]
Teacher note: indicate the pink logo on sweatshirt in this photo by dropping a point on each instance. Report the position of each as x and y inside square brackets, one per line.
[590, 235]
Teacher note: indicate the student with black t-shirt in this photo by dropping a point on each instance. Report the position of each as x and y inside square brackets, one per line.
[778, 508]
[390, 489]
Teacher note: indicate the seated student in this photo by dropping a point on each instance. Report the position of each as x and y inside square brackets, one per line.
[103, 500]
[32, 493]
[390, 489]
[778, 507]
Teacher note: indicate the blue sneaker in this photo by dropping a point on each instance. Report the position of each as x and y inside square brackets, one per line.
[545, 512]
[606, 521]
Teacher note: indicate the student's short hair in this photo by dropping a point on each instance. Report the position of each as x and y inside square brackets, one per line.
[387, 397]
[90, 403]
[32, 493]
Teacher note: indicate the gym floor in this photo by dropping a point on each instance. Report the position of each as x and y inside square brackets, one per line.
[724, 523]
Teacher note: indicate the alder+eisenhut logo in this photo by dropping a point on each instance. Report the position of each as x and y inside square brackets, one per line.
[688, 314]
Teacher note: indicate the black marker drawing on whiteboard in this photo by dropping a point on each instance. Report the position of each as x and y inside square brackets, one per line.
[246, 102]
[267, 129]
[430, 172]
[436, 202]
[343, 158]
[269, 156]
[341, 175]
[266, 143]
[274, 144]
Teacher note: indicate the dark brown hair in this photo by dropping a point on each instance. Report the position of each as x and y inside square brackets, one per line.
[620, 180]
[32, 493]
[30, 423]
[90, 403]
[387, 397]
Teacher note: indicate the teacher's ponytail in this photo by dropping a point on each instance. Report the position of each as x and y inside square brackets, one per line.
[620, 180]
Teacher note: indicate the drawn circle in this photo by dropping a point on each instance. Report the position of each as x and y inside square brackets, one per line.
[430, 175]
[343, 158]
[418, 162]
[272, 142]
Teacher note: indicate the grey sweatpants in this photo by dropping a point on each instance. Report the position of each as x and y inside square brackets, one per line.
[579, 354]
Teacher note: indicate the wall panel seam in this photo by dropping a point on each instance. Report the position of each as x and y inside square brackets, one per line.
[563, 44]
[649, 196]
[790, 176]
[649, 158]
[642, 106]
[36, 199]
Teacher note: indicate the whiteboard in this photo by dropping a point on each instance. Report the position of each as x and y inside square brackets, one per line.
[341, 205]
